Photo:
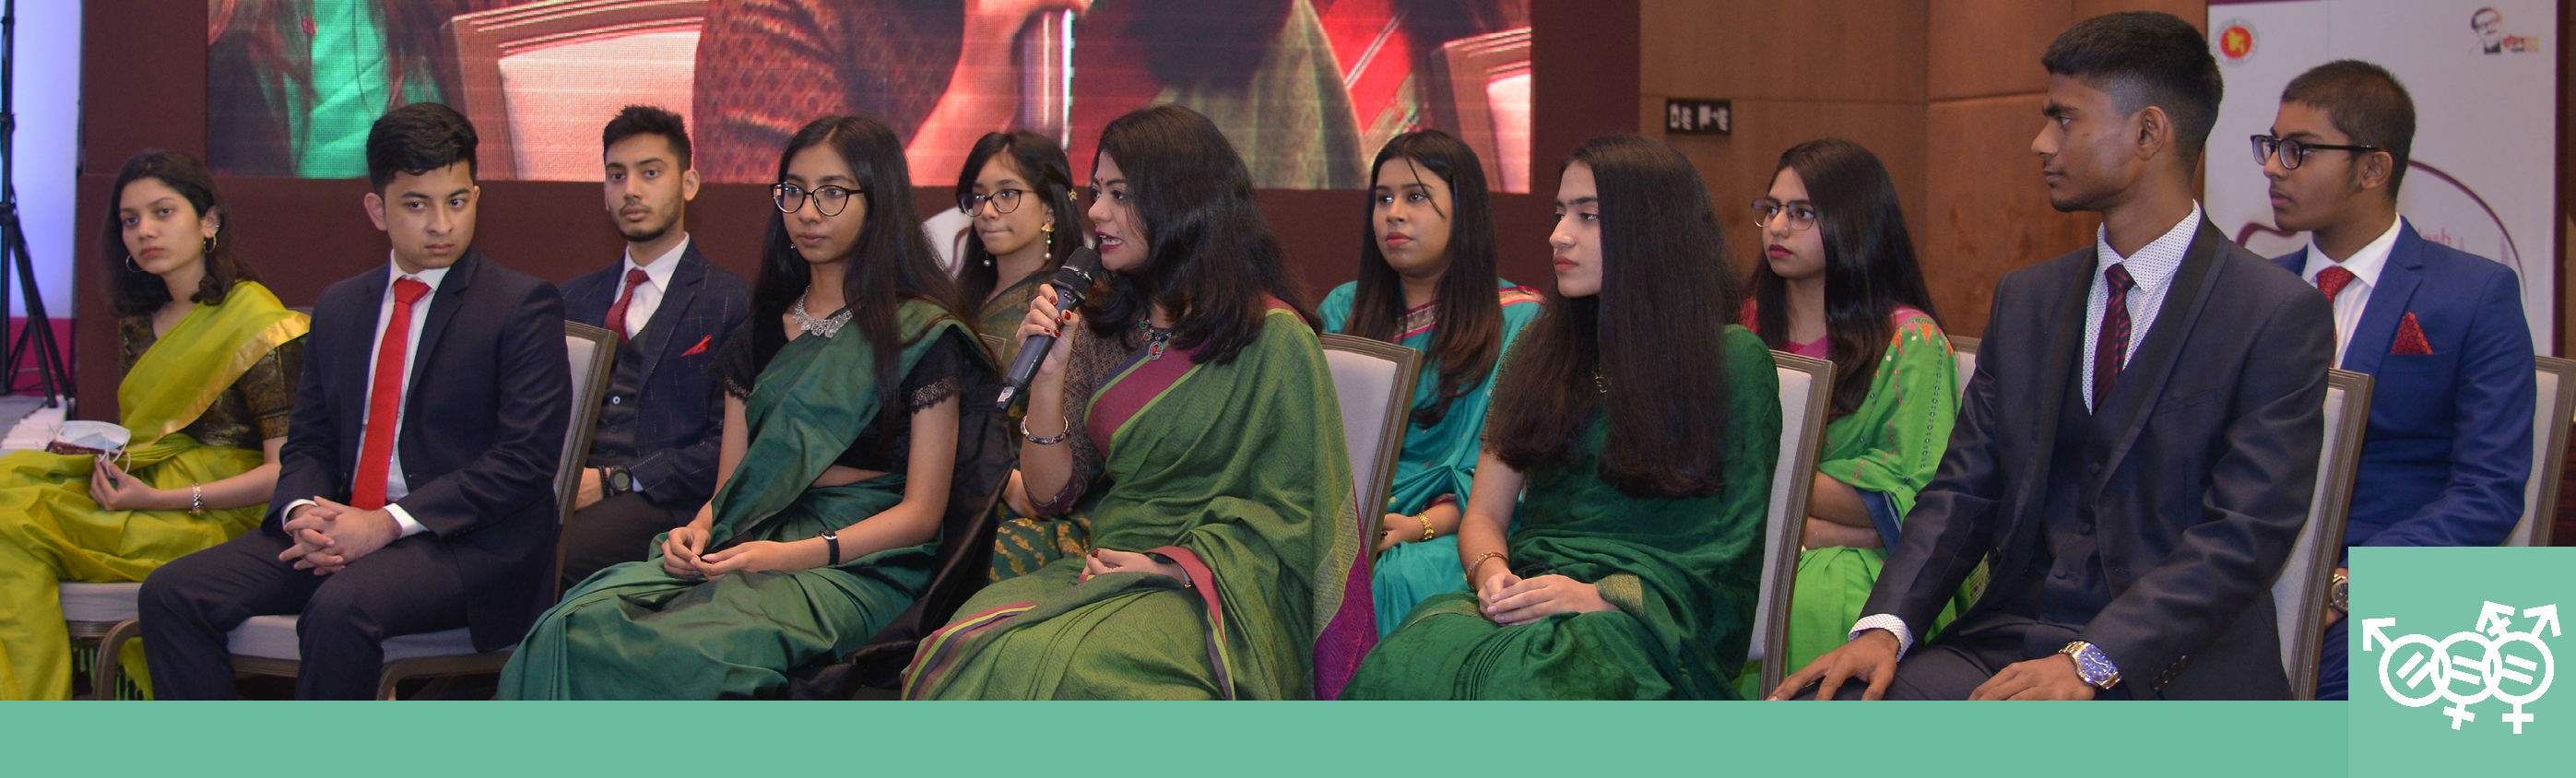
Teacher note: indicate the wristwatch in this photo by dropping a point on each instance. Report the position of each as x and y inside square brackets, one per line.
[2340, 595]
[614, 481]
[2092, 665]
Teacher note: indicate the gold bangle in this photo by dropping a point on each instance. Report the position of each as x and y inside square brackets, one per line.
[1427, 532]
[1480, 560]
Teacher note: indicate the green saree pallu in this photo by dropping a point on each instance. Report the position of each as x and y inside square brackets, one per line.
[1438, 461]
[1022, 544]
[1235, 471]
[1681, 573]
[50, 528]
[633, 631]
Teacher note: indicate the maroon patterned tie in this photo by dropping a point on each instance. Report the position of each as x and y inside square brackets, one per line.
[2332, 280]
[617, 313]
[2111, 351]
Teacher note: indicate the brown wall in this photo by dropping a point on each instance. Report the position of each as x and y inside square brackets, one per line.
[144, 86]
[1946, 92]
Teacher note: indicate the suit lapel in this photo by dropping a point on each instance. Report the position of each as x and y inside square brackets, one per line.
[2377, 332]
[2065, 348]
[657, 335]
[442, 309]
[360, 359]
[2152, 367]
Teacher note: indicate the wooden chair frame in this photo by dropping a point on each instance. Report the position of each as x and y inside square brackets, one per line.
[2301, 656]
[1780, 563]
[1370, 499]
[2539, 522]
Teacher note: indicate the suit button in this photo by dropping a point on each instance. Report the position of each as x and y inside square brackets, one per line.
[2093, 468]
[2087, 530]
[614, 400]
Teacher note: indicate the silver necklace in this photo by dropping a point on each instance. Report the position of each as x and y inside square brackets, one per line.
[826, 327]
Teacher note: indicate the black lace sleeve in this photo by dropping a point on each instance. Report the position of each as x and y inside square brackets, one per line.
[939, 375]
[734, 367]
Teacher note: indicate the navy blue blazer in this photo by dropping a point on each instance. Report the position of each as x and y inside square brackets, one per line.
[2199, 468]
[2449, 446]
[482, 428]
[679, 412]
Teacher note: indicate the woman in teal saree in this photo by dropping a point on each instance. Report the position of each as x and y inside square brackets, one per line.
[840, 442]
[1641, 441]
[1427, 281]
[1203, 441]
[1839, 281]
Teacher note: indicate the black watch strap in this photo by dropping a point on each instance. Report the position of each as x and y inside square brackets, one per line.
[832, 542]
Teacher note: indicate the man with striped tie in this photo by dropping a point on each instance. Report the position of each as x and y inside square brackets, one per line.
[652, 458]
[415, 491]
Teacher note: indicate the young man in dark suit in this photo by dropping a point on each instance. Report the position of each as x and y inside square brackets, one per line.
[415, 491]
[2136, 449]
[2441, 330]
[652, 458]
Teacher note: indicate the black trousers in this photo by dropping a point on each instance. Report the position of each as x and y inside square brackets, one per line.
[188, 605]
[614, 530]
[1967, 656]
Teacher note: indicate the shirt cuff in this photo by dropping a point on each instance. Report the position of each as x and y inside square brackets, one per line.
[1893, 625]
[289, 513]
[412, 527]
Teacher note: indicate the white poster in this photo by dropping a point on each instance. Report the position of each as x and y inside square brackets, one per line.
[2484, 77]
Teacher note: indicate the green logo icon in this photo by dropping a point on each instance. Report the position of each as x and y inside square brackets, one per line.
[2491, 662]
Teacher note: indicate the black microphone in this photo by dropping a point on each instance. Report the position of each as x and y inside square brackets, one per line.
[1071, 282]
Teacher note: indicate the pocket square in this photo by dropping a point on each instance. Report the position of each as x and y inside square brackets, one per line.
[2410, 338]
[701, 348]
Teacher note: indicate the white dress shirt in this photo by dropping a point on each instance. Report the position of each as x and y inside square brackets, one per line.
[2153, 268]
[648, 295]
[2365, 265]
[396, 487]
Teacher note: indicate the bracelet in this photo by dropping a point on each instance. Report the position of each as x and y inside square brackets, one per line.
[1480, 560]
[1427, 532]
[1059, 437]
[196, 500]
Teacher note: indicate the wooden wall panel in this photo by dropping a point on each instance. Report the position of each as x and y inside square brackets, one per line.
[1989, 212]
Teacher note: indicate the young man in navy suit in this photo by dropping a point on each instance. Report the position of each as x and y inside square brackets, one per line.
[2440, 330]
[652, 458]
[415, 491]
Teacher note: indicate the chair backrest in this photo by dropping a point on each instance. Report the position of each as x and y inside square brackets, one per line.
[539, 78]
[593, 354]
[2550, 417]
[1374, 381]
[1480, 89]
[1805, 386]
[1964, 349]
[2297, 594]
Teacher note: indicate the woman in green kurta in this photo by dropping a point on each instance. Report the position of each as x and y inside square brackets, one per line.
[1203, 440]
[1427, 281]
[1839, 281]
[1641, 441]
[210, 360]
[839, 447]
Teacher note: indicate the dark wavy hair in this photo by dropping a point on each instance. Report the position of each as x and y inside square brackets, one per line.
[1869, 264]
[1471, 316]
[134, 292]
[1211, 256]
[636, 120]
[416, 139]
[1645, 349]
[1042, 164]
[892, 259]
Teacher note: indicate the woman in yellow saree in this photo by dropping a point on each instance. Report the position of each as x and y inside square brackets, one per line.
[211, 360]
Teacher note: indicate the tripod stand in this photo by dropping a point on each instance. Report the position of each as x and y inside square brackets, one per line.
[37, 339]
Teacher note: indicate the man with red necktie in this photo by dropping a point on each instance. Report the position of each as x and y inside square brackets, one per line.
[652, 457]
[2440, 330]
[2135, 452]
[415, 491]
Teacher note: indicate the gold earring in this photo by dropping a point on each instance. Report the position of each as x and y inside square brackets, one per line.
[129, 264]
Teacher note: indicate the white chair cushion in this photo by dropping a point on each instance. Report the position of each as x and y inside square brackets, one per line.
[1364, 385]
[99, 602]
[273, 637]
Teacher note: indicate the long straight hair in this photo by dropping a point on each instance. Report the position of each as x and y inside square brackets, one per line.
[892, 259]
[1211, 257]
[1041, 163]
[134, 292]
[1647, 346]
[1869, 264]
[1471, 315]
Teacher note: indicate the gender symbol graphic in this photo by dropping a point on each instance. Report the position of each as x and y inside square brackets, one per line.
[2492, 661]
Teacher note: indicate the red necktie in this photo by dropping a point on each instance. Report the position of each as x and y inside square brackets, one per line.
[617, 313]
[2111, 351]
[2332, 280]
[384, 401]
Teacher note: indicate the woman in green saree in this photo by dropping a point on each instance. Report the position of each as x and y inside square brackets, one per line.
[211, 360]
[1427, 281]
[840, 442]
[1019, 189]
[1188, 412]
[1645, 437]
[1838, 281]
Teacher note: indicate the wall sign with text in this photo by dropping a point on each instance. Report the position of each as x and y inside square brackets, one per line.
[1688, 116]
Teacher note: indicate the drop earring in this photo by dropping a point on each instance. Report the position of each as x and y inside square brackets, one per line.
[129, 264]
[1049, 229]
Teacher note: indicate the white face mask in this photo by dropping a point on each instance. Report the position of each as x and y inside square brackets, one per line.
[89, 437]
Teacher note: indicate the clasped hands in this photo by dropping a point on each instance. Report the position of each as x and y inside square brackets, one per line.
[1102, 560]
[1871, 659]
[1510, 600]
[682, 555]
[328, 535]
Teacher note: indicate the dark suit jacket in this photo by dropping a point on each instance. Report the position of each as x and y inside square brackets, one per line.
[2199, 473]
[2449, 448]
[679, 414]
[482, 428]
